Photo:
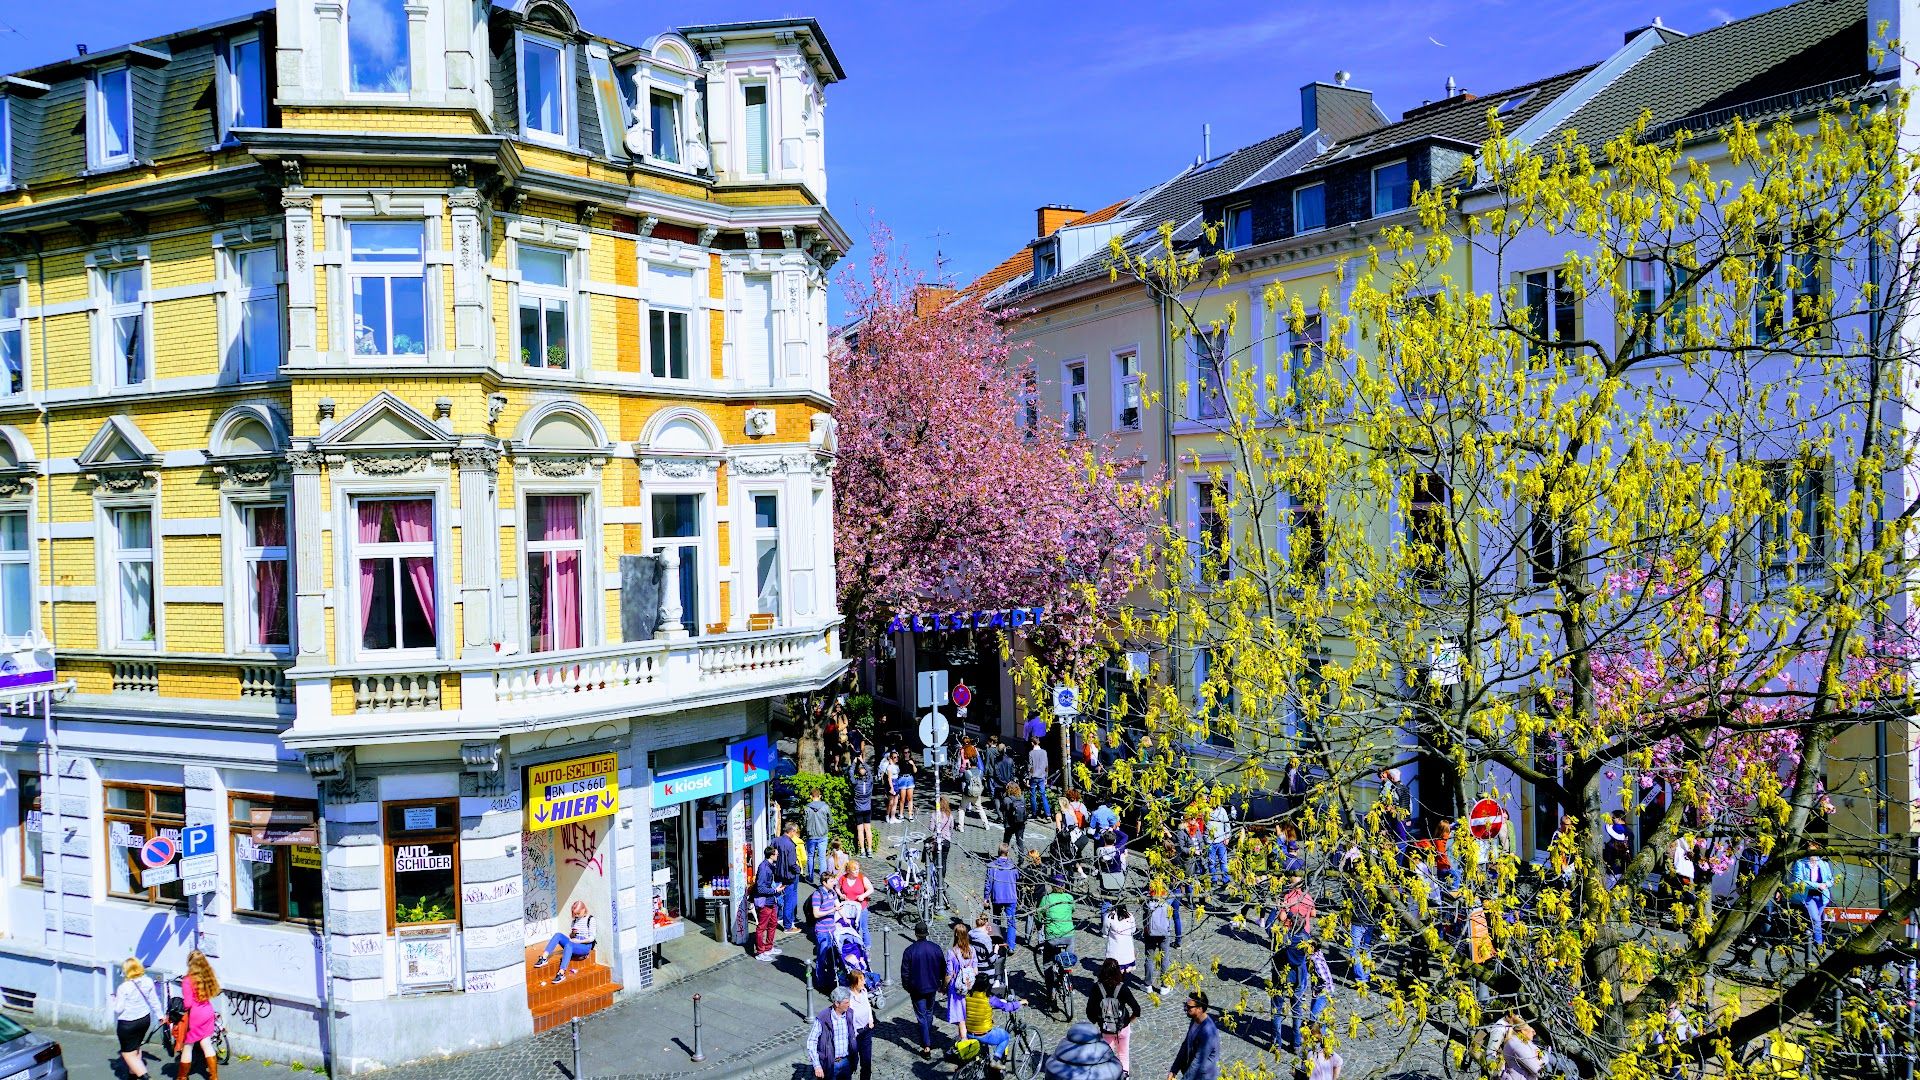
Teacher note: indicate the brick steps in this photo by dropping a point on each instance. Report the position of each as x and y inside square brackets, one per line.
[588, 988]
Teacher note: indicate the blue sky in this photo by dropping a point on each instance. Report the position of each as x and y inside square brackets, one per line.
[958, 119]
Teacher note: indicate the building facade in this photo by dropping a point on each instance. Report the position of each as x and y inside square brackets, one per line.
[418, 455]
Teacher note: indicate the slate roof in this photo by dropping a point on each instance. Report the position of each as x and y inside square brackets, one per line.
[1814, 43]
[1177, 200]
[1462, 118]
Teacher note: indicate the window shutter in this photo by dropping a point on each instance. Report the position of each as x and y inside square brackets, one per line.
[755, 342]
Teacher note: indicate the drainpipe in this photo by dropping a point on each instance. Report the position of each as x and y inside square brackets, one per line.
[1166, 428]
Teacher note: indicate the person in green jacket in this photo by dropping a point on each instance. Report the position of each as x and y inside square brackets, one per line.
[1056, 922]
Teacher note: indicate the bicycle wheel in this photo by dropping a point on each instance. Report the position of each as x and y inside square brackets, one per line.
[221, 1047]
[1025, 1055]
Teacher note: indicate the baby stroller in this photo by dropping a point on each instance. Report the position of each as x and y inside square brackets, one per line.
[852, 950]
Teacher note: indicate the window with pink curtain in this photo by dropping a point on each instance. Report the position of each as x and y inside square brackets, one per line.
[266, 555]
[394, 548]
[556, 551]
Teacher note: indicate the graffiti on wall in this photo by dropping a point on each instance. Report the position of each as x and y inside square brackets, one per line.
[536, 867]
[581, 843]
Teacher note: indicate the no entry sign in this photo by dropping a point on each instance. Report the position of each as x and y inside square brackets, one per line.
[1487, 820]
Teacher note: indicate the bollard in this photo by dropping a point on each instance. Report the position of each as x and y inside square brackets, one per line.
[884, 966]
[573, 1029]
[809, 989]
[698, 1054]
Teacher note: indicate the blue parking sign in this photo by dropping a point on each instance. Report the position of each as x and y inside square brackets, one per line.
[196, 840]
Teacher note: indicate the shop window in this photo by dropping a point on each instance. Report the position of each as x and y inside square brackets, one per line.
[263, 556]
[13, 337]
[276, 868]
[394, 550]
[387, 276]
[135, 814]
[379, 59]
[556, 559]
[33, 858]
[545, 295]
[423, 862]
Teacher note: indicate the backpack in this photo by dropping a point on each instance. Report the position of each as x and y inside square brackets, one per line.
[975, 785]
[1159, 919]
[1109, 1010]
[1016, 811]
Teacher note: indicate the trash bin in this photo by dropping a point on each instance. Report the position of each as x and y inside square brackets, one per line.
[720, 919]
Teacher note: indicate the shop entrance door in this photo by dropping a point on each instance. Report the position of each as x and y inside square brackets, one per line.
[566, 875]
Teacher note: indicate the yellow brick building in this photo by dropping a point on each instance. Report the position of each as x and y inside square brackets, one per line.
[404, 404]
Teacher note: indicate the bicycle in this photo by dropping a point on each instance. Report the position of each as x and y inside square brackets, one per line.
[1023, 1053]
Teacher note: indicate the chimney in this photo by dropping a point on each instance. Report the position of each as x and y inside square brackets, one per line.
[1337, 109]
[1452, 87]
[928, 299]
[1206, 143]
[1053, 217]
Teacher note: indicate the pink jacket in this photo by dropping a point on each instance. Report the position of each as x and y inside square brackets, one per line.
[200, 1014]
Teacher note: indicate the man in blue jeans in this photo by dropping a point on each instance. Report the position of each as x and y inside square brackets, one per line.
[787, 858]
[1037, 802]
[1002, 890]
[819, 818]
[1219, 831]
[923, 975]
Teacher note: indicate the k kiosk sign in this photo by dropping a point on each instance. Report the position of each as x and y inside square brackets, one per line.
[748, 762]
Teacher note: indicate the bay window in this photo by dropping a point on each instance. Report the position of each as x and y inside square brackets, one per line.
[545, 294]
[130, 551]
[394, 553]
[135, 814]
[677, 525]
[387, 277]
[664, 111]
[110, 118]
[263, 560]
[556, 566]
[256, 299]
[16, 575]
[670, 296]
[379, 56]
[544, 85]
[753, 100]
[766, 554]
[13, 335]
[126, 314]
[755, 332]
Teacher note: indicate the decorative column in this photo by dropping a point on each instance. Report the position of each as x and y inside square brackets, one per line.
[479, 538]
[671, 627]
[791, 96]
[470, 285]
[309, 572]
[303, 317]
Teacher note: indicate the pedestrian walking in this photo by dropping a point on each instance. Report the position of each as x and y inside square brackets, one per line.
[1159, 926]
[819, 818]
[1112, 1008]
[923, 975]
[136, 1008]
[942, 826]
[1003, 769]
[1812, 884]
[1002, 891]
[198, 988]
[963, 967]
[861, 1007]
[1323, 1061]
[1199, 1056]
[862, 788]
[1116, 927]
[854, 886]
[1082, 1055]
[1037, 802]
[788, 844]
[1520, 1059]
[974, 783]
[833, 1042]
[1219, 832]
[889, 775]
[1071, 822]
[767, 888]
[1013, 819]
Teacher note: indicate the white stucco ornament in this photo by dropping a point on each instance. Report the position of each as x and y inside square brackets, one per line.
[760, 421]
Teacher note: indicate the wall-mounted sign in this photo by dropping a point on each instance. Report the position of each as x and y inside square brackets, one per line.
[283, 828]
[689, 784]
[306, 857]
[749, 762]
[578, 789]
[25, 667]
[413, 858]
[426, 957]
[1019, 618]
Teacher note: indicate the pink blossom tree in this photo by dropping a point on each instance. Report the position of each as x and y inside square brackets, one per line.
[949, 494]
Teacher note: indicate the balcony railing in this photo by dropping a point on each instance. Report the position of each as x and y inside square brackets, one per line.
[548, 675]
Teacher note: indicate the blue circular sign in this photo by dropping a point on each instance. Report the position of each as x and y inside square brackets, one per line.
[156, 852]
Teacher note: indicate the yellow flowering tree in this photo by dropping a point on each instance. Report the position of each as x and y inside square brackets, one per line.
[1625, 548]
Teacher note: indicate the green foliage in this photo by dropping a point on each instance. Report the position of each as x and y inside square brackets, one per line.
[839, 795]
[426, 910]
[860, 714]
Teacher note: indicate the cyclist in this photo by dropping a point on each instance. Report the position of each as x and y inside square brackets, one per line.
[980, 1004]
[1056, 931]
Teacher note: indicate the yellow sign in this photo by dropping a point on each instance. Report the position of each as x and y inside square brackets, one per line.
[578, 789]
[306, 857]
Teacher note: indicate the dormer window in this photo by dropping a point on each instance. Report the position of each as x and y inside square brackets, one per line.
[1310, 208]
[543, 89]
[664, 111]
[110, 119]
[379, 58]
[1240, 226]
[1392, 187]
[243, 85]
[1046, 262]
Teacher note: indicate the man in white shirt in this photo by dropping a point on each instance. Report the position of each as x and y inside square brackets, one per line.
[1219, 832]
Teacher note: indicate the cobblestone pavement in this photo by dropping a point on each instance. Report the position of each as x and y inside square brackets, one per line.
[754, 1015]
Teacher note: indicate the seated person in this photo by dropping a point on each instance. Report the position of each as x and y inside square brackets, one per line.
[575, 944]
